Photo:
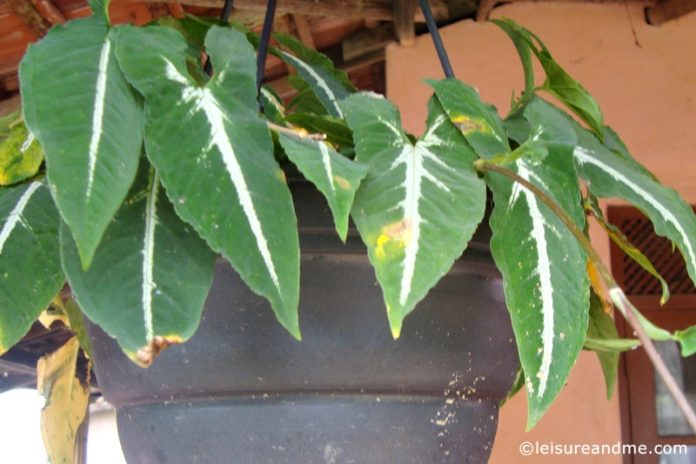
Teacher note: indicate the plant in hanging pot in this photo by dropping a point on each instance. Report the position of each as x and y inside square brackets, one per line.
[161, 181]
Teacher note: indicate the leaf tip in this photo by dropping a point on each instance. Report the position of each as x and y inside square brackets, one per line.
[395, 323]
[533, 418]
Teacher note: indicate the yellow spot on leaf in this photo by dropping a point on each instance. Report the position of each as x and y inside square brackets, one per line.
[468, 124]
[342, 182]
[281, 175]
[596, 283]
[393, 238]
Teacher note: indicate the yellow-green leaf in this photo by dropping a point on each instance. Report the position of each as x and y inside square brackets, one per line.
[66, 391]
[20, 154]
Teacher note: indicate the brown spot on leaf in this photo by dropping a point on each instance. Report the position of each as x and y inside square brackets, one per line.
[147, 354]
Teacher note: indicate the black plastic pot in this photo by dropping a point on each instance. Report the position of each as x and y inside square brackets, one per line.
[244, 391]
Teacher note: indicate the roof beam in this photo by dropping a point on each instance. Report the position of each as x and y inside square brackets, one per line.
[30, 16]
[48, 10]
[381, 10]
[304, 31]
[669, 10]
[404, 22]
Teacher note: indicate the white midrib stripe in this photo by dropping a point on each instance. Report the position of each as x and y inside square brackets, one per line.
[326, 160]
[583, 156]
[206, 101]
[149, 258]
[409, 204]
[27, 143]
[320, 82]
[16, 213]
[544, 272]
[413, 157]
[220, 139]
[98, 114]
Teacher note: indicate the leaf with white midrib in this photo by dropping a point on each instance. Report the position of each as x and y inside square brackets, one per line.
[222, 178]
[150, 276]
[88, 121]
[419, 204]
[336, 177]
[328, 84]
[609, 176]
[543, 266]
[30, 272]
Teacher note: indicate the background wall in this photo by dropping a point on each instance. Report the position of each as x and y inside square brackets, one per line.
[644, 78]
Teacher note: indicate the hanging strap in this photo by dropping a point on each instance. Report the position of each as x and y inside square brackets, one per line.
[263, 45]
[437, 40]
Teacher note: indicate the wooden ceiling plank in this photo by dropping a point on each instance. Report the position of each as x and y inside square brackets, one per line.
[304, 32]
[366, 9]
[28, 13]
[176, 10]
[404, 22]
[48, 10]
[367, 41]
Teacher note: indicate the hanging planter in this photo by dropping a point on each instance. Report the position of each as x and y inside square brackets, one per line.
[243, 387]
[159, 166]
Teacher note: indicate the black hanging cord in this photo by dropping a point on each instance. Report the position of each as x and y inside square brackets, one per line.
[263, 45]
[437, 40]
[224, 16]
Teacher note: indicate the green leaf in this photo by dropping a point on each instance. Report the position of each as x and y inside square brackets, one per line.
[618, 237]
[272, 104]
[222, 177]
[478, 121]
[100, 9]
[558, 82]
[329, 84]
[149, 278]
[420, 203]
[601, 327]
[517, 385]
[314, 59]
[336, 130]
[20, 154]
[30, 273]
[543, 266]
[524, 51]
[336, 177]
[687, 340]
[88, 120]
[76, 321]
[305, 101]
[609, 176]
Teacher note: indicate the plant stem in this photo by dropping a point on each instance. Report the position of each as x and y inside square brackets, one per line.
[296, 132]
[617, 295]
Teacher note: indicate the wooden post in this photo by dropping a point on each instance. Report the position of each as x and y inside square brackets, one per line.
[404, 22]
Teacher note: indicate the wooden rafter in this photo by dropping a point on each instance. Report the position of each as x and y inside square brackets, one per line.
[404, 22]
[48, 10]
[28, 13]
[304, 32]
[381, 10]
